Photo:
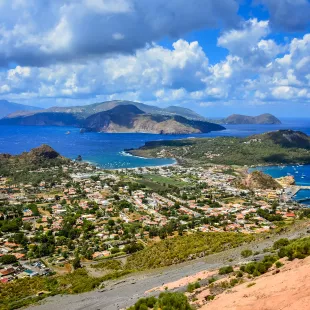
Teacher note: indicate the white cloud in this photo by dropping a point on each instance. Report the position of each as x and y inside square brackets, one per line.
[39, 33]
[259, 71]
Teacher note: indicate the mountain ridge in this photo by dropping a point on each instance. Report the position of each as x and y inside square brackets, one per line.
[82, 112]
[136, 117]
[7, 108]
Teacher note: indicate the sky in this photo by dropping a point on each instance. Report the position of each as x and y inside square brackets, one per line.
[216, 57]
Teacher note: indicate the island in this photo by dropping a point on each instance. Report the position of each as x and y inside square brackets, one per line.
[118, 117]
[263, 119]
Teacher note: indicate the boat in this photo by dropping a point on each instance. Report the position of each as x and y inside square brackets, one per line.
[68, 132]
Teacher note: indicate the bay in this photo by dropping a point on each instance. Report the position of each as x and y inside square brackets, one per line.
[106, 149]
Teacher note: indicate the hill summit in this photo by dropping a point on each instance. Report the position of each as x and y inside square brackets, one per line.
[263, 119]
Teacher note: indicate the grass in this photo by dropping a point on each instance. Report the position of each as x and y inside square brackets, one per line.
[164, 180]
[181, 248]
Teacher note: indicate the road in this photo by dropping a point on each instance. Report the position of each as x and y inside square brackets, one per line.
[123, 293]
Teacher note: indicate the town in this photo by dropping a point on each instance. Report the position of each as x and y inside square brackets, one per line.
[89, 213]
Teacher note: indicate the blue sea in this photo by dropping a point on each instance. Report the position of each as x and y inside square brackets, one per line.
[106, 149]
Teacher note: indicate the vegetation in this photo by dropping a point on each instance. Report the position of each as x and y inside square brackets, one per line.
[25, 291]
[279, 147]
[182, 248]
[258, 268]
[20, 168]
[165, 301]
[193, 286]
[8, 259]
[226, 270]
[109, 264]
[246, 253]
[299, 248]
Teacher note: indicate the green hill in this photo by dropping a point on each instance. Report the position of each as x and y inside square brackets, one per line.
[277, 147]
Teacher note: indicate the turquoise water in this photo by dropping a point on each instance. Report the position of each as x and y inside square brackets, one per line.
[106, 150]
[300, 173]
[303, 194]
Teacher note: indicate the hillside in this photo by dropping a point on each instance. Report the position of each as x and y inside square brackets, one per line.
[263, 119]
[129, 118]
[120, 118]
[278, 147]
[285, 288]
[259, 180]
[19, 167]
[7, 108]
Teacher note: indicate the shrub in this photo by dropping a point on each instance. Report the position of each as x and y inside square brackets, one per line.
[246, 253]
[8, 259]
[226, 270]
[169, 301]
[281, 243]
[299, 248]
[193, 286]
[279, 264]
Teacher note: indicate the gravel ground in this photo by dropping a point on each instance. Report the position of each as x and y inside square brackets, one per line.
[124, 292]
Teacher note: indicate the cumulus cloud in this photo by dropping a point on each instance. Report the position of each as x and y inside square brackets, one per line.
[257, 70]
[291, 15]
[38, 33]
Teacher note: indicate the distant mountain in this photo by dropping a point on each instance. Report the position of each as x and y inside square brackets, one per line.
[82, 112]
[262, 119]
[184, 112]
[117, 116]
[42, 118]
[7, 108]
[129, 118]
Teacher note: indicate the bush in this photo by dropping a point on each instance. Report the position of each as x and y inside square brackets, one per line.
[193, 286]
[279, 264]
[296, 249]
[226, 270]
[246, 253]
[167, 301]
[258, 268]
[8, 259]
[281, 243]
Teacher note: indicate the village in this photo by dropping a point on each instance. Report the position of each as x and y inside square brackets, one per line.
[96, 214]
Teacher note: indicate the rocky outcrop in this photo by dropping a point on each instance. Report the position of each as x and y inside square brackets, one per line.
[259, 180]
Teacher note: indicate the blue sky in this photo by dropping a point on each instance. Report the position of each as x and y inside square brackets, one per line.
[215, 57]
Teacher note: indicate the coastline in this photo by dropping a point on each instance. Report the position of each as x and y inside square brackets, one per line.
[175, 163]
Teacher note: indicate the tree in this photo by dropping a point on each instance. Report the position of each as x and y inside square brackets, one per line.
[76, 264]
[8, 259]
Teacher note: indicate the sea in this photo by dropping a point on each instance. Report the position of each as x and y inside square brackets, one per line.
[107, 149]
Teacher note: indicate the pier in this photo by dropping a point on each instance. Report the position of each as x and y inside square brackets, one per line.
[291, 191]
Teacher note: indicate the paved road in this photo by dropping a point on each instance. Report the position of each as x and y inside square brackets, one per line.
[125, 292]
